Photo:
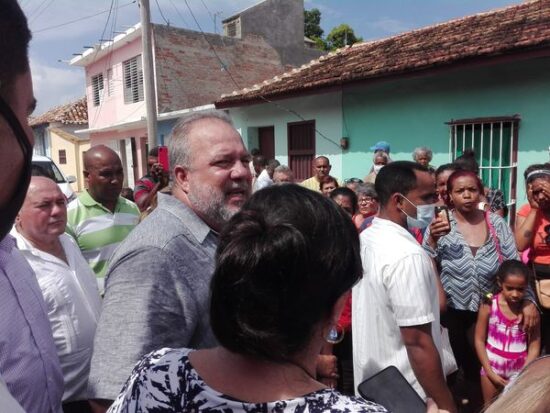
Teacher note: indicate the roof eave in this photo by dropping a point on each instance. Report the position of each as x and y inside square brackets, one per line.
[522, 54]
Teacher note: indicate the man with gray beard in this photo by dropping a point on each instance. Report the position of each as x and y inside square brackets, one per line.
[158, 281]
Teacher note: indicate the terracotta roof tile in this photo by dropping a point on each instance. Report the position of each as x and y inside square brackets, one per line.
[513, 29]
[74, 113]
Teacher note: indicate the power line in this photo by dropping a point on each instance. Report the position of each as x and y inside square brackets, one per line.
[179, 14]
[37, 15]
[79, 19]
[226, 69]
[162, 14]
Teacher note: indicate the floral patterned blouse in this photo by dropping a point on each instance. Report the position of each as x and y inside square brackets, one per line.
[165, 381]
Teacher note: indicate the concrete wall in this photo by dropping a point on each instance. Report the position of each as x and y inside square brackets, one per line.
[74, 150]
[281, 23]
[112, 108]
[412, 112]
[324, 109]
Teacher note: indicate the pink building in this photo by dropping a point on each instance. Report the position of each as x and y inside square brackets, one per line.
[188, 76]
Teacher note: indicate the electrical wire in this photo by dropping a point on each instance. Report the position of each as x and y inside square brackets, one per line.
[79, 19]
[162, 14]
[226, 70]
[39, 13]
[185, 24]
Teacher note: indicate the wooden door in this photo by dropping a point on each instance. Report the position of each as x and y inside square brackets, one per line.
[301, 148]
[266, 136]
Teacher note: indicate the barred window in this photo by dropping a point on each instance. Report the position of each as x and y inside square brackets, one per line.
[97, 89]
[133, 80]
[495, 142]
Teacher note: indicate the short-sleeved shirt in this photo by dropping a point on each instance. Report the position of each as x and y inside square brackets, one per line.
[28, 358]
[165, 381]
[398, 289]
[98, 231]
[540, 249]
[157, 294]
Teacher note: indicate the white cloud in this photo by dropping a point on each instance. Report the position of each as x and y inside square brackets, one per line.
[55, 86]
[388, 25]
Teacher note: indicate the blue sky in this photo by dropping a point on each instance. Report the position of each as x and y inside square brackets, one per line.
[55, 82]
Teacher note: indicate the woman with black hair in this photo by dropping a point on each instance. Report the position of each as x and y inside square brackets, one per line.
[284, 269]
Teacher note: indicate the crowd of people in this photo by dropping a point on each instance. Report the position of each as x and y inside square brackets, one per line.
[229, 287]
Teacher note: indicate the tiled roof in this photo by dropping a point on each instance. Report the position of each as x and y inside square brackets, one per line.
[522, 27]
[74, 113]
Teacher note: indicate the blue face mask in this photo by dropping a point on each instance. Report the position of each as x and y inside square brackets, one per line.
[424, 215]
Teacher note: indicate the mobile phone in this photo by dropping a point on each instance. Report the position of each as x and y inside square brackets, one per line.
[163, 158]
[389, 388]
[442, 212]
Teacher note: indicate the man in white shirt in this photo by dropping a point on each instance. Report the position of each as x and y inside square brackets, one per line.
[66, 281]
[263, 179]
[395, 307]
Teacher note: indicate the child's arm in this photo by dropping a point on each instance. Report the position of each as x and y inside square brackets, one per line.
[533, 350]
[480, 339]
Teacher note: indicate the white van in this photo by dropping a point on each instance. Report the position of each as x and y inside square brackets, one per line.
[42, 165]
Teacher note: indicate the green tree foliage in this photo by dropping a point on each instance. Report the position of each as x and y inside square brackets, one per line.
[312, 24]
[340, 36]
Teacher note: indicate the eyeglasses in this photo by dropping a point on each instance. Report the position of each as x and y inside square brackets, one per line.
[353, 181]
[368, 199]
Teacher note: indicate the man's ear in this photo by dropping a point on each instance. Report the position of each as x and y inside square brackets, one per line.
[181, 178]
[397, 199]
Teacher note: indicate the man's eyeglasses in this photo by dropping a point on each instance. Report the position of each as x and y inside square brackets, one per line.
[353, 181]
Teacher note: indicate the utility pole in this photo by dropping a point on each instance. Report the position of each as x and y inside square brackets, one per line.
[148, 73]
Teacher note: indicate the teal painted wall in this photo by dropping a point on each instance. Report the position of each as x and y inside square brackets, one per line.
[412, 112]
[325, 109]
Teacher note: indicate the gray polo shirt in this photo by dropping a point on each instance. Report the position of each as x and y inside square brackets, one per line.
[157, 294]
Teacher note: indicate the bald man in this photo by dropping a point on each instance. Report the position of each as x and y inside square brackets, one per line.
[66, 281]
[99, 219]
[321, 168]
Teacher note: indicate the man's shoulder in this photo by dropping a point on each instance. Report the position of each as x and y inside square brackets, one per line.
[311, 183]
[388, 241]
[126, 206]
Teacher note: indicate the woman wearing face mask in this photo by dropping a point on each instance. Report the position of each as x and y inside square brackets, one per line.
[379, 160]
[468, 257]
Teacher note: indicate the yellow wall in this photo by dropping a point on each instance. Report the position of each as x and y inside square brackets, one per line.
[73, 150]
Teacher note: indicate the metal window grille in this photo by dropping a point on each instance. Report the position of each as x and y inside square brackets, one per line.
[110, 83]
[495, 142]
[62, 157]
[133, 80]
[97, 88]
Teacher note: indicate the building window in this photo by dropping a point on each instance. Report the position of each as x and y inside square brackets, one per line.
[301, 148]
[97, 89]
[110, 85]
[232, 28]
[495, 142]
[133, 80]
[62, 157]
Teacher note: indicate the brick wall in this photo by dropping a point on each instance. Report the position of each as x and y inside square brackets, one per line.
[188, 74]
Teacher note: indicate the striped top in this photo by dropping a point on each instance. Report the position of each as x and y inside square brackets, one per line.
[465, 277]
[98, 231]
